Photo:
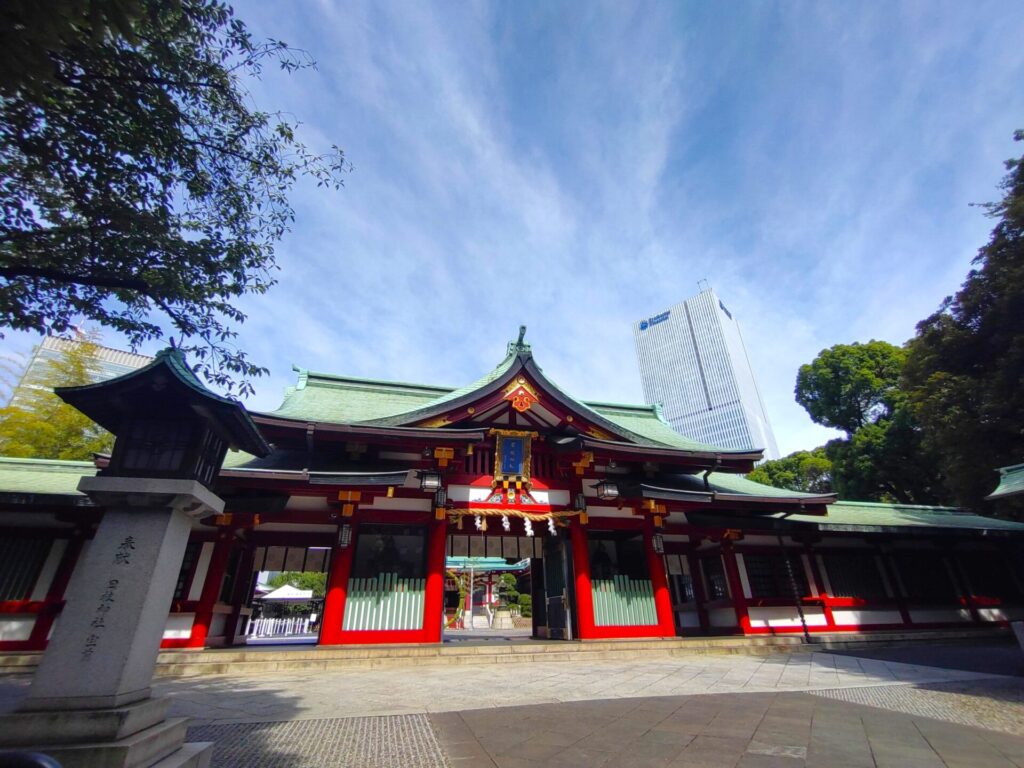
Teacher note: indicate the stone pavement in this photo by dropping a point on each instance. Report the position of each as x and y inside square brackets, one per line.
[788, 710]
[788, 730]
[417, 690]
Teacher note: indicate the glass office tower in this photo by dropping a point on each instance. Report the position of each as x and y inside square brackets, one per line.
[694, 363]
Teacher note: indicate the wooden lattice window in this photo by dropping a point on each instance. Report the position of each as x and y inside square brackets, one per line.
[925, 577]
[989, 574]
[716, 585]
[21, 560]
[769, 577]
[854, 575]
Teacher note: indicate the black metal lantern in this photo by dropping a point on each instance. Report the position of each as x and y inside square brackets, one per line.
[166, 423]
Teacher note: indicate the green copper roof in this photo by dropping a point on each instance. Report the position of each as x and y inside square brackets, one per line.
[722, 482]
[855, 515]
[646, 421]
[320, 397]
[346, 400]
[413, 414]
[43, 476]
[1011, 482]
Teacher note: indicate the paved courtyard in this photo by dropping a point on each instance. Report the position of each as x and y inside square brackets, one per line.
[954, 705]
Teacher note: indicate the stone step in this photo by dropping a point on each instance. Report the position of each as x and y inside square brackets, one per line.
[193, 754]
[139, 750]
[267, 659]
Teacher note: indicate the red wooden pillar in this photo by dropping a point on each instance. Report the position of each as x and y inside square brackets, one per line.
[732, 573]
[55, 592]
[581, 569]
[337, 590]
[659, 581]
[211, 589]
[433, 593]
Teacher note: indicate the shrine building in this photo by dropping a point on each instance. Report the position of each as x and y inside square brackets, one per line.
[617, 526]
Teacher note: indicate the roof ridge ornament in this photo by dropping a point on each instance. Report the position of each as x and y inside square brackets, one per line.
[519, 346]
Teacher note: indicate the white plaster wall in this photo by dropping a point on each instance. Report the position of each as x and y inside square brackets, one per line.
[14, 627]
[827, 585]
[195, 590]
[937, 615]
[866, 617]
[785, 616]
[722, 617]
[742, 565]
[49, 569]
[178, 626]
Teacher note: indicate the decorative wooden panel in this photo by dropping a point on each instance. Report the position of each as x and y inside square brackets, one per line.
[384, 602]
[622, 601]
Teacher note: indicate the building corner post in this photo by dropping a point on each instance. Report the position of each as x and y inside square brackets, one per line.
[337, 589]
[581, 569]
[659, 582]
[211, 589]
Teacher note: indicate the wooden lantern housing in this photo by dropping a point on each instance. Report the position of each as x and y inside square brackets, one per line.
[165, 422]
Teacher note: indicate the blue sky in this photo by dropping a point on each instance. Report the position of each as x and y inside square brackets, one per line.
[577, 166]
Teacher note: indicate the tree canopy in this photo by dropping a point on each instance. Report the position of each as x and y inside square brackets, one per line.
[850, 385]
[806, 471]
[38, 424]
[965, 371]
[139, 187]
[856, 388]
[314, 580]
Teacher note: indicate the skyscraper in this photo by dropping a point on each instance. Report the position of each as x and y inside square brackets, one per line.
[107, 362]
[694, 363]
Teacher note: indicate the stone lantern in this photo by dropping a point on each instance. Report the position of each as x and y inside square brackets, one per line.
[89, 702]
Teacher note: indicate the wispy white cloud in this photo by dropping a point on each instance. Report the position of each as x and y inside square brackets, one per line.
[576, 166]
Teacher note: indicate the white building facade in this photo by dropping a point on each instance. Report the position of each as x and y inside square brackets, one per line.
[693, 362]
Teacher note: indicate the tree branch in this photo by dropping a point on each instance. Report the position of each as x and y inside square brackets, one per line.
[59, 275]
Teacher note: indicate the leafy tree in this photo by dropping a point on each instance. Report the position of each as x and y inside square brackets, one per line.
[506, 588]
[41, 425]
[965, 372]
[856, 388]
[886, 461]
[806, 471]
[314, 580]
[139, 187]
[850, 385]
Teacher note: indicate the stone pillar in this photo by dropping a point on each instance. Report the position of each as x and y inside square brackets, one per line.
[89, 702]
